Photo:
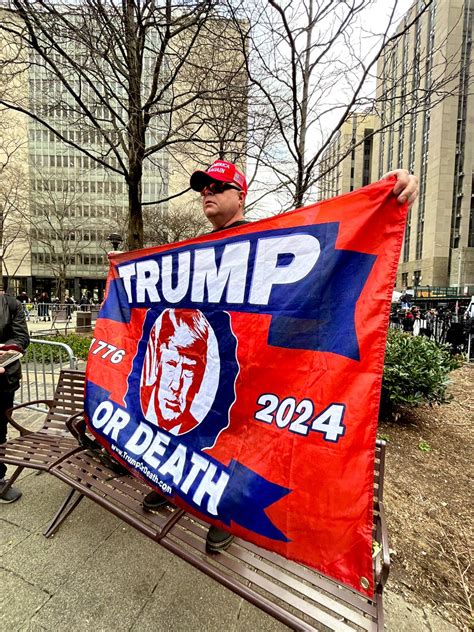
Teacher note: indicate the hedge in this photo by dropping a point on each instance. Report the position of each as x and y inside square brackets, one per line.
[79, 344]
[416, 371]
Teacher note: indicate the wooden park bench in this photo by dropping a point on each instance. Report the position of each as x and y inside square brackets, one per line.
[40, 449]
[296, 595]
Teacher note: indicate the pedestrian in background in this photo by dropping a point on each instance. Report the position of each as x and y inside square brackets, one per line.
[43, 306]
[13, 331]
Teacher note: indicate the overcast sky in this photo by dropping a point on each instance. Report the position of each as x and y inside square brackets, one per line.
[373, 20]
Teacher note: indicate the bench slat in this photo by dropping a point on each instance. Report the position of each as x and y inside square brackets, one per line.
[234, 563]
[42, 448]
[287, 572]
[258, 575]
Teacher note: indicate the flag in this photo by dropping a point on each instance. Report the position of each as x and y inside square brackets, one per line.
[239, 374]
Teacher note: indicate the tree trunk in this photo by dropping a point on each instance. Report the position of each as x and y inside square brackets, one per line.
[299, 191]
[61, 284]
[303, 131]
[135, 216]
[135, 128]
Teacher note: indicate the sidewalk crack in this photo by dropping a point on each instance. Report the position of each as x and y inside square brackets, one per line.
[239, 610]
[20, 526]
[147, 601]
[30, 583]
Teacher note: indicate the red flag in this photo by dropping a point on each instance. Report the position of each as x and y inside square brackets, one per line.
[239, 373]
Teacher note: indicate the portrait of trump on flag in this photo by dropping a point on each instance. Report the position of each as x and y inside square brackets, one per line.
[178, 379]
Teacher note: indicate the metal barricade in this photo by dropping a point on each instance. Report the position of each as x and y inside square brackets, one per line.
[45, 317]
[41, 366]
[447, 329]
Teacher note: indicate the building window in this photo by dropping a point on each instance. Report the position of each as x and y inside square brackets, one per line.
[417, 278]
[464, 91]
[367, 159]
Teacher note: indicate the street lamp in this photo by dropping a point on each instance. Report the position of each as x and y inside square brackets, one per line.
[115, 239]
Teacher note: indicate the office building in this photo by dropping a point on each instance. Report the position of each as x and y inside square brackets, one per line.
[424, 107]
[71, 201]
[347, 163]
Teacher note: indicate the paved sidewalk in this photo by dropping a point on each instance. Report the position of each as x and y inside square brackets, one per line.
[98, 574]
[57, 323]
[40, 329]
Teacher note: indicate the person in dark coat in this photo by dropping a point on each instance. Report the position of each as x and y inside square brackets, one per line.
[13, 331]
[43, 306]
[408, 322]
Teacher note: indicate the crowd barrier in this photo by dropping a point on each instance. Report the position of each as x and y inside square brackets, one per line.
[56, 312]
[41, 366]
[449, 329]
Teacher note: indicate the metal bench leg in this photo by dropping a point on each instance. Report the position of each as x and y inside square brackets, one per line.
[13, 478]
[380, 615]
[170, 524]
[67, 506]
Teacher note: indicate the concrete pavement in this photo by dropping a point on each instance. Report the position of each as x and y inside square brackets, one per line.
[97, 573]
[39, 327]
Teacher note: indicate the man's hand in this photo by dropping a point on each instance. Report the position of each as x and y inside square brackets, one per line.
[406, 186]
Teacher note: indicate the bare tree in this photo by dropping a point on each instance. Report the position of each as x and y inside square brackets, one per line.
[310, 62]
[65, 227]
[13, 196]
[14, 236]
[176, 225]
[126, 76]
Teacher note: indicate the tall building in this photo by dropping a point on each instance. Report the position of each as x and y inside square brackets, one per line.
[72, 202]
[347, 163]
[425, 108]
[69, 202]
[426, 102]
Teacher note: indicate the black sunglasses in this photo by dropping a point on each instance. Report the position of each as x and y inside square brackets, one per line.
[218, 187]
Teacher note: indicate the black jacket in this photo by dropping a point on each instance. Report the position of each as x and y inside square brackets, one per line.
[13, 330]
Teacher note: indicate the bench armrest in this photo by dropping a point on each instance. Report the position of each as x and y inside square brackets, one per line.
[21, 429]
[77, 426]
[384, 571]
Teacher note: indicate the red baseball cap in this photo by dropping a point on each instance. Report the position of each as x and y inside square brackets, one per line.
[221, 171]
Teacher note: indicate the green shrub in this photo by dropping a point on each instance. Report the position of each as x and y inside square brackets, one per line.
[79, 344]
[416, 371]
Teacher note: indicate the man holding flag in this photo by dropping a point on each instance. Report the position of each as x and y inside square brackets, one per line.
[223, 190]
